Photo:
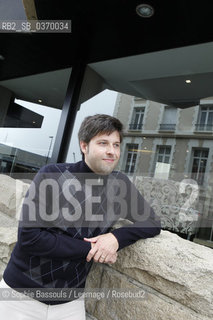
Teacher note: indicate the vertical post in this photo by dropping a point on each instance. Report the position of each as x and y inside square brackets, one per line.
[51, 141]
[13, 163]
[68, 115]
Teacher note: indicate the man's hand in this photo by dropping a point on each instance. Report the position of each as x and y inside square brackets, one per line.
[104, 248]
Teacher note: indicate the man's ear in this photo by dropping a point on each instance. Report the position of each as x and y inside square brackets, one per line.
[83, 146]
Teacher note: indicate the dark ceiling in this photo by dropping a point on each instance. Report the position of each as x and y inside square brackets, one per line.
[146, 57]
[103, 30]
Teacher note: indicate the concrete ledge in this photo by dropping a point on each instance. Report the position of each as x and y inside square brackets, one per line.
[176, 275]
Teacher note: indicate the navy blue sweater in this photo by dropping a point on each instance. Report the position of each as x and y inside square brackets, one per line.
[59, 210]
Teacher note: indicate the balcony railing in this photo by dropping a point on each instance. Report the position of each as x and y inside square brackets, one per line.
[167, 126]
[135, 126]
[203, 127]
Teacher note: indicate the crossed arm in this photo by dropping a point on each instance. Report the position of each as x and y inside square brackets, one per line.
[103, 248]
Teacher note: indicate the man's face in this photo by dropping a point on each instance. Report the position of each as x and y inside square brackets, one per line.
[102, 153]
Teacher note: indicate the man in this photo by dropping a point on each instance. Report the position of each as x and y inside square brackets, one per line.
[66, 223]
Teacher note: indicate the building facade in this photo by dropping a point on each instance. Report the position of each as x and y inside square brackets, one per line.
[168, 147]
[17, 162]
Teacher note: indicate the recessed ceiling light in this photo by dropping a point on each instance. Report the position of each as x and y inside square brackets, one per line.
[144, 10]
[39, 100]
[188, 81]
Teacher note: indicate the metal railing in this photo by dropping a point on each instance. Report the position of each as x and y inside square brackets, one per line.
[167, 126]
[135, 126]
[203, 127]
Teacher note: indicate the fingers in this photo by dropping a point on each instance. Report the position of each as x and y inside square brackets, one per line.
[101, 256]
[110, 259]
[101, 259]
[103, 248]
[91, 253]
[113, 258]
[94, 239]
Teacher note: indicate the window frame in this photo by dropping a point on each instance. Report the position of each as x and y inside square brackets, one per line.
[200, 182]
[133, 125]
[134, 146]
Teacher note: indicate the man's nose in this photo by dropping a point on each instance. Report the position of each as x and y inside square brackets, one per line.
[110, 149]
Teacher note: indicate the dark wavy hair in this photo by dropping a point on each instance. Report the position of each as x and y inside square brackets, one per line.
[99, 124]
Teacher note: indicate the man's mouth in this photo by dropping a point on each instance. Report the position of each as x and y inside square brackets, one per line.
[109, 160]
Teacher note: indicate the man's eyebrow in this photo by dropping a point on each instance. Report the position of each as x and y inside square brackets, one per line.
[107, 140]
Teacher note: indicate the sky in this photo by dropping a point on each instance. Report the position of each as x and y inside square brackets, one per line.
[40, 141]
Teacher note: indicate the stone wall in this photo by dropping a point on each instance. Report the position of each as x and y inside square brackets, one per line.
[11, 197]
[174, 275]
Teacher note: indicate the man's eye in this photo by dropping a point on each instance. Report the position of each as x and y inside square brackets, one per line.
[102, 142]
[117, 145]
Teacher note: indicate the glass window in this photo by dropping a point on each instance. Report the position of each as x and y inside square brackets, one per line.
[199, 162]
[137, 119]
[131, 158]
[163, 154]
[205, 119]
[162, 162]
[169, 119]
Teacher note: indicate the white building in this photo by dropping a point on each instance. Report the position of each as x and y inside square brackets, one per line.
[166, 144]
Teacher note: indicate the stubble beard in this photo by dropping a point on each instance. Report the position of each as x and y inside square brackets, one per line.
[104, 169]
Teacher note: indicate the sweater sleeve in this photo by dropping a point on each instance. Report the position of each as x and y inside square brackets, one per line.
[146, 224]
[42, 238]
[42, 242]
